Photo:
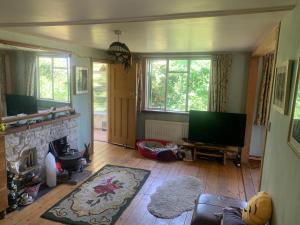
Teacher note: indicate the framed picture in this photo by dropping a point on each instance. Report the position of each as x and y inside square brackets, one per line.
[282, 81]
[81, 80]
[294, 130]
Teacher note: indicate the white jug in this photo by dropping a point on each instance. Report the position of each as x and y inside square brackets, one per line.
[50, 170]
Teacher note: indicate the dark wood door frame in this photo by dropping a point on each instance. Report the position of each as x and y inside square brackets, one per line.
[269, 103]
[251, 90]
[268, 45]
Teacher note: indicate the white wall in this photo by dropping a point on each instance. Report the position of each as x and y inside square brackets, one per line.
[237, 83]
[281, 168]
[82, 103]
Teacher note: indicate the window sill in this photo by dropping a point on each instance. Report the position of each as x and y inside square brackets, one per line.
[164, 112]
[53, 101]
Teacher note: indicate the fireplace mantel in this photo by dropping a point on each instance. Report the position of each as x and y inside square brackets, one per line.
[39, 124]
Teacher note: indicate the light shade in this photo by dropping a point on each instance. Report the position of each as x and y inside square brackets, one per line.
[121, 52]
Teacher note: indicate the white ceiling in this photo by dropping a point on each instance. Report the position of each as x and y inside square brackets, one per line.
[148, 25]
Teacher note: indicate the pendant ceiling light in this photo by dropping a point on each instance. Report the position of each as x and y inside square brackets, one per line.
[120, 51]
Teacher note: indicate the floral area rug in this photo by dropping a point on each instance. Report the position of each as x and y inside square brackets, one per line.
[101, 199]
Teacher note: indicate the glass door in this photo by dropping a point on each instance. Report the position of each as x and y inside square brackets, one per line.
[100, 73]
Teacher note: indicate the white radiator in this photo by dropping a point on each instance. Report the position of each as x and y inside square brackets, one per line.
[166, 130]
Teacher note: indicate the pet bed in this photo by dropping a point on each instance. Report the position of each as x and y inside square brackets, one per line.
[157, 149]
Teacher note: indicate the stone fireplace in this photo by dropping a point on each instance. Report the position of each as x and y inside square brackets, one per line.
[27, 161]
[27, 149]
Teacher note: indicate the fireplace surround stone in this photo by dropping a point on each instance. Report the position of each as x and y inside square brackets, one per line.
[38, 138]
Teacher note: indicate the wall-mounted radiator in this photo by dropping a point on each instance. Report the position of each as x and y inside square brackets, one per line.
[166, 130]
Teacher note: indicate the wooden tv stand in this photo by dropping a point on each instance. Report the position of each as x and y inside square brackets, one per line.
[215, 151]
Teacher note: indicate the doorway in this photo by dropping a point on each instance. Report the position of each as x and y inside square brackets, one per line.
[100, 101]
[122, 105]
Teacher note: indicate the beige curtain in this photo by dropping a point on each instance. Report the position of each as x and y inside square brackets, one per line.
[140, 91]
[264, 92]
[29, 73]
[220, 72]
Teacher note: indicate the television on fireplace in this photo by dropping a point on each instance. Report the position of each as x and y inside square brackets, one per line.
[217, 128]
[17, 104]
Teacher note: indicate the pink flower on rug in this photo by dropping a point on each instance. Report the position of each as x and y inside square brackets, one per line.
[108, 187]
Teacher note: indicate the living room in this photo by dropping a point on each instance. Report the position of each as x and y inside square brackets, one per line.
[101, 78]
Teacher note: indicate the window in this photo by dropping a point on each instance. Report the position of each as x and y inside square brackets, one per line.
[178, 84]
[53, 78]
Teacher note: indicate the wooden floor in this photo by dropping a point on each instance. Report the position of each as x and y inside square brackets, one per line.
[216, 178]
[251, 178]
[100, 135]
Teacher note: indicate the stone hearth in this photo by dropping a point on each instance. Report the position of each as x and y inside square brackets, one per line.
[38, 138]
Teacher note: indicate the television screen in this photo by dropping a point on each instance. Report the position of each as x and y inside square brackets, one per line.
[217, 128]
[17, 104]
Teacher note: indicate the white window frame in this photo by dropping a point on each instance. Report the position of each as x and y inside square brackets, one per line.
[148, 82]
[52, 69]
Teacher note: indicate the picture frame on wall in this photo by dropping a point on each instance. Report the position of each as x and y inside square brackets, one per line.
[81, 80]
[282, 82]
[294, 129]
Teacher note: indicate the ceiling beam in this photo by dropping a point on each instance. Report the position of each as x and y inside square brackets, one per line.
[31, 47]
[175, 16]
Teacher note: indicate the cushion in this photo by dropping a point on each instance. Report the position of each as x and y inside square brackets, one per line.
[258, 210]
[166, 155]
[232, 216]
[149, 145]
[209, 208]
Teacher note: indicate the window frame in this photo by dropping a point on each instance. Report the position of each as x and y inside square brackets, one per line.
[148, 81]
[68, 68]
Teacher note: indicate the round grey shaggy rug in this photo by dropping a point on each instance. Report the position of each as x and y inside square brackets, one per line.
[175, 197]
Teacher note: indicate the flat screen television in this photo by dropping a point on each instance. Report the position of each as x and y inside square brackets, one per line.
[217, 128]
[17, 104]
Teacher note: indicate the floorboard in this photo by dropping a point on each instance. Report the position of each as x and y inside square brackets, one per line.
[251, 176]
[216, 178]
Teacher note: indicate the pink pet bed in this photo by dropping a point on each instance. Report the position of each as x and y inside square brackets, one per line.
[157, 149]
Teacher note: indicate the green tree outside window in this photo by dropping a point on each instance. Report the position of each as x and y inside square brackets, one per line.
[178, 84]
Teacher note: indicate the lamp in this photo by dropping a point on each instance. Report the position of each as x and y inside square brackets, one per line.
[120, 51]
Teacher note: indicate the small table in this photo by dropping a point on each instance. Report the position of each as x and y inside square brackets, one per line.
[215, 151]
